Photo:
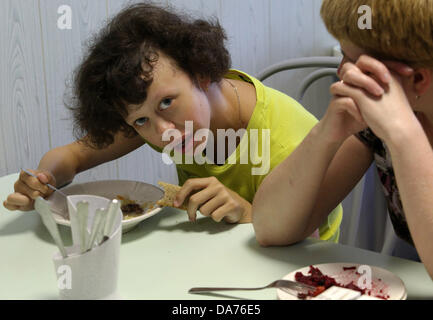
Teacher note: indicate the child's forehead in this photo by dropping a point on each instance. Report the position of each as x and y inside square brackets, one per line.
[160, 87]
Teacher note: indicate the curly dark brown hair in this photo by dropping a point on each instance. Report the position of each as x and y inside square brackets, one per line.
[117, 69]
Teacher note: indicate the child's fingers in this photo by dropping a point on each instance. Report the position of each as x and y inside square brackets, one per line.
[223, 212]
[352, 109]
[346, 90]
[378, 69]
[9, 206]
[34, 183]
[189, 186]
[208, 208]
[18, 201]
[348, 105]
[220, 213]
[343, 100]
[24, 189]
[198, 199]
[43, 178]
[400, 68]
[46, 177]
[355, 77]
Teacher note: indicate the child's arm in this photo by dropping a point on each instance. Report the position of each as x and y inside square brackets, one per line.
[412, 159]
[60, 165]
[297, 196]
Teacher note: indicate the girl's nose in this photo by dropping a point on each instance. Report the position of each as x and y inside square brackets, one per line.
[161, 125]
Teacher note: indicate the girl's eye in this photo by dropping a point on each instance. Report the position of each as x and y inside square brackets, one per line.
[166, 103]
[141, 121]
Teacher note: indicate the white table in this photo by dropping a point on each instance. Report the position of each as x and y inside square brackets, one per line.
[166, 255]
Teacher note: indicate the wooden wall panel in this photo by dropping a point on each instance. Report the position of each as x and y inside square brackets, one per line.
[291, 32]
[197, 8]
[114, 6]
[23, 113]
[247, 25]
[318, 96]
[63, 51]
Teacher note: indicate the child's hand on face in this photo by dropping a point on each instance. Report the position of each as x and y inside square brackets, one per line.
[212, 199]
[377, 94]
[371, 74]
[28, 188]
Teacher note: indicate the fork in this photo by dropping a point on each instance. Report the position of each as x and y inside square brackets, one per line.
[285, 285]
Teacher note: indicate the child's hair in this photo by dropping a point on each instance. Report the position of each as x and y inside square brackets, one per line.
[117, 70]
[401, 30]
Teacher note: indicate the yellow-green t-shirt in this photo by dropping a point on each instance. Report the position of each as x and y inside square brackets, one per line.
[281, 123]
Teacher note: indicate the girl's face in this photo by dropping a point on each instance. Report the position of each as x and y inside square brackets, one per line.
[172, 99]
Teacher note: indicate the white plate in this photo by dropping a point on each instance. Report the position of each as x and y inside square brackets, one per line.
[382, 279]
[140, 192]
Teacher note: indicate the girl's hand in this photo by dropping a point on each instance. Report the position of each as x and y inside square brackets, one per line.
[343, 117]
[212, 199]
[28, 188]
[341, 120]
[371, 74]
[386, 114]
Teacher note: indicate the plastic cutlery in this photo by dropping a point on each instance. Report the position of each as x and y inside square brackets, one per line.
[98, 224]
[82, 215]
[113, 209]
[43, 208]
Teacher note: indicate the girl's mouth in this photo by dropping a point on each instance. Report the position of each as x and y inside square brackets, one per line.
[185, 145]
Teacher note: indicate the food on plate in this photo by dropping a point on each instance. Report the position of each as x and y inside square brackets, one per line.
[132, 209]
[323, 282]
[170, 191]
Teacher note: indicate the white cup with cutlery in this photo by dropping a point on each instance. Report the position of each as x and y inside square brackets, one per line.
[90, 270]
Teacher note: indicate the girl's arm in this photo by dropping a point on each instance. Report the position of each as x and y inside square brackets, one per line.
[67, 161]
[60, 165]
[412, 159]
[297, 196]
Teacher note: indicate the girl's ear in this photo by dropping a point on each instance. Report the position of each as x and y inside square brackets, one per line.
[422, 79]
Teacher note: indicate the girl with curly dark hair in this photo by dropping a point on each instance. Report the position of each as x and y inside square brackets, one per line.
[151, 71]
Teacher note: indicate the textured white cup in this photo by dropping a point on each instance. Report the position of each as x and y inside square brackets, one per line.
[93, 274]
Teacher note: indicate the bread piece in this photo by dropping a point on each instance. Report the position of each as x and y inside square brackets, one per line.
[170, 191]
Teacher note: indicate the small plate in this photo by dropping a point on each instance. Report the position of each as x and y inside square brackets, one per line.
[382, 279]
[139, 192]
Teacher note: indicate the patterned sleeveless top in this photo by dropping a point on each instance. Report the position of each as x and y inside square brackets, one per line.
[385, 170]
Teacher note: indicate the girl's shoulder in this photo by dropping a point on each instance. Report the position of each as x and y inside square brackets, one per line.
[240, 75]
